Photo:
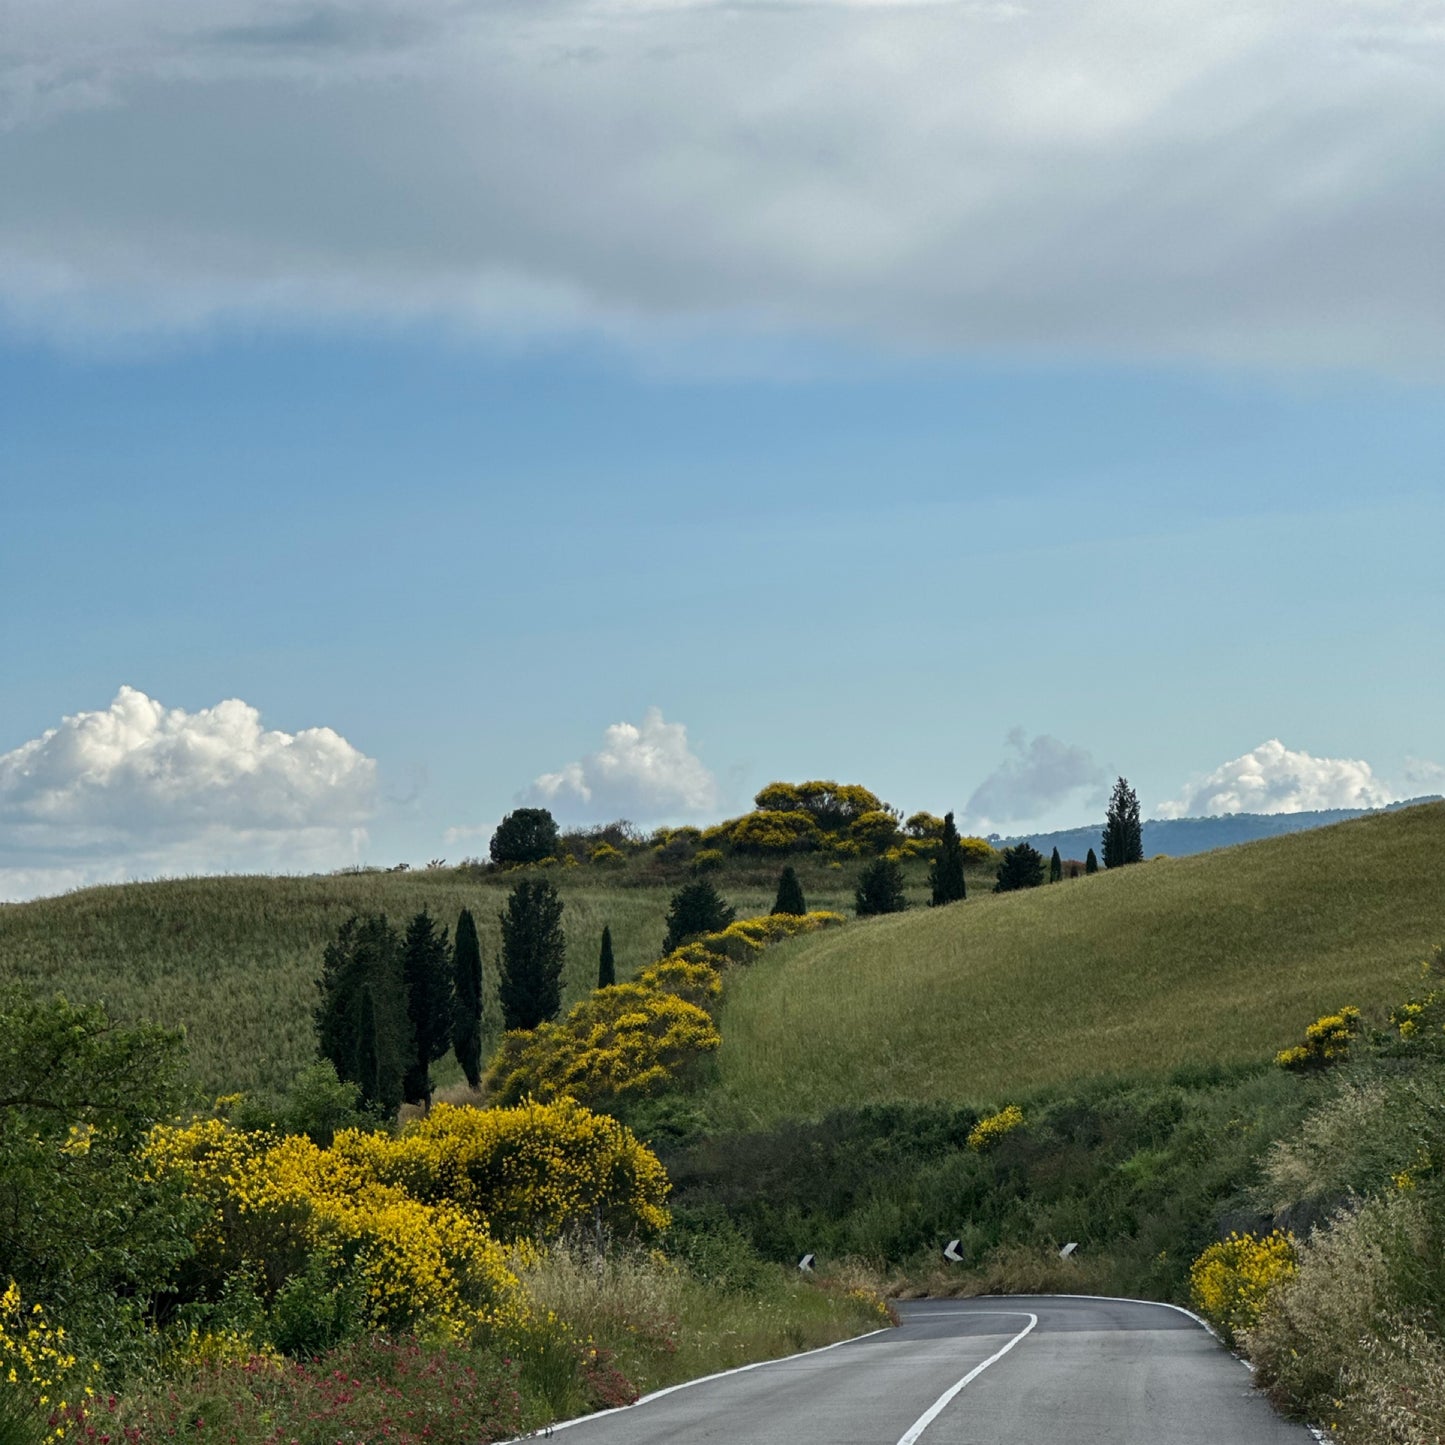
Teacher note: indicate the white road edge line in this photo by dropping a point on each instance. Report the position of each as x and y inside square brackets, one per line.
[941, 1403]
[700, 1380]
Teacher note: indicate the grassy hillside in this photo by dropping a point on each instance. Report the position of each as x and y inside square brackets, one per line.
[234, 959]
[1221, 958]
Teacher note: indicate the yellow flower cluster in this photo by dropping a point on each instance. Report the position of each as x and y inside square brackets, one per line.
[988, 1131]
[35, 1358]
[1327, 1041]
[1231, 1281]
[418, 1218]
[632, 1039]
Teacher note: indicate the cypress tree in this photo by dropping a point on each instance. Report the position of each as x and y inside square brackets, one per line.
[1123, 832]
[606, 967]
[367, 1074]
[430, 1002]
[1056, 868]
[467, 995]
[946, 875]
[533, 950]
[364, 960]
[1091, 863]
[790, 893]
[880, 889]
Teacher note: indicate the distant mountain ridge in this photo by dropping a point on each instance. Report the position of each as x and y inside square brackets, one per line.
[1180, 837]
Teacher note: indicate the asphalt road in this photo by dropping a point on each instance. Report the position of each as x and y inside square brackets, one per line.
[1035, 1370]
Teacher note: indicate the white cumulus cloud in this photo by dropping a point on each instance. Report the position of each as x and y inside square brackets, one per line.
[139, 789]
[1038, 774]
[643, 771]
[1275, 779]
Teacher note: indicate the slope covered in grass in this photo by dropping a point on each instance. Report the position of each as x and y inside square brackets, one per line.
[1217, 959]
[234, 959]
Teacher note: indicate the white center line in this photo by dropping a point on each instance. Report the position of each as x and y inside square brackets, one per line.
[927, 1418]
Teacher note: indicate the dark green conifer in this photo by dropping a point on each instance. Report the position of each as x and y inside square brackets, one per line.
[606, 967]
[1091, 863]
[430, 1002]
[467, 997]
[364, 959]
[790, 893]
[946, 875]
[367, 1074]
[696, 908]
[1123, 832]
[1056, 868]
[880, 889]
[1022, 867]
[533, 951]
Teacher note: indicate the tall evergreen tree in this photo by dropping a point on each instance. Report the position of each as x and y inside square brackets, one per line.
[880, 889]
[790, 893]
[946, 875]
[364, 962]
[467, 996]
[1056, 868]
[1022, 867]
[606, 965]
[1123, 832]
[696, 908]
[533, 951]
[426, 964]
[1091, 863]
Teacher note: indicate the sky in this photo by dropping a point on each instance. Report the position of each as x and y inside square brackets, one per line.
[415, 409]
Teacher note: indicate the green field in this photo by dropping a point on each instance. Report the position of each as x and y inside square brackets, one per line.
[234, 959]
[1221, 958]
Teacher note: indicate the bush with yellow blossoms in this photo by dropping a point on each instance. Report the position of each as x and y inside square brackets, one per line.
[1326, 1042]
[1231, 1281]
[993, 1127]
[37, 1365]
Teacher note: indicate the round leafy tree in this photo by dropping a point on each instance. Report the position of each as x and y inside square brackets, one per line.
[525, 836]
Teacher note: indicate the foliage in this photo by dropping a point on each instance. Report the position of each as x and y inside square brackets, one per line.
[696, 908]
[1230, 1282]
[426, 970]
[317, 1104]
[993, 1127]
[606, 964]
[880, 889]
[775, 832]
[364, 962]
[527, 835]
[1327, 1041]
[533, 951]
[40, 1374]
[874, 831]
[925, 826]
[1091, 862]
[1022, 867]
[81, 1224]
[790, 893]
[1123, 830]
[1056, 868]
[945, 878]
[467, 998]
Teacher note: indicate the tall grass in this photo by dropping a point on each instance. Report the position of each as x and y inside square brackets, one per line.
[234, 959]
[1216, 959]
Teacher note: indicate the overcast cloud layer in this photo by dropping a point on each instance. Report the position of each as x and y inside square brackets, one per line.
[1275, 779]
[139, 790]
[1245, 182]
[643, 772]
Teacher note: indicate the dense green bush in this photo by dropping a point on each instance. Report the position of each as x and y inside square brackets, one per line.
[880, 889]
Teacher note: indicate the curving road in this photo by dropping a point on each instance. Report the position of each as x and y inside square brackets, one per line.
[1016, 1370]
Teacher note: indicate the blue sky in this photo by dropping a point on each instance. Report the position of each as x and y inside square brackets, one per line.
[761, 439]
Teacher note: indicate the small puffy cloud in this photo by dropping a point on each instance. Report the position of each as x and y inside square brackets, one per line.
[644, 772]
[1039, 774]
[140, 789]
[1423, 776]
[1275, 779]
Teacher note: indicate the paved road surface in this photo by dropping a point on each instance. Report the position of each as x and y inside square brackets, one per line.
[1087, 1372]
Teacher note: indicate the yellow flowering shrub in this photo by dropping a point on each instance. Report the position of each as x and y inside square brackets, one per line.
[35, 1359]
[1326, 1042]
[990, 1129]
[1230, 1282]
